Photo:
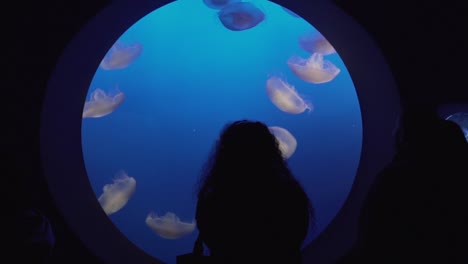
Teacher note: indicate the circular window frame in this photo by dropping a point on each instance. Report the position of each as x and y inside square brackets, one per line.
[60, 135]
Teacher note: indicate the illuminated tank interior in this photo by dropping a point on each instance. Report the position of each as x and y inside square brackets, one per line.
[173, 83]
[150, 102]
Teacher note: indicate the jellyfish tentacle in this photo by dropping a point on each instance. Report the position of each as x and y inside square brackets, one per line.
[116, 195]
[169, 226]
[314, 69]
[285, 97]
[120, 56]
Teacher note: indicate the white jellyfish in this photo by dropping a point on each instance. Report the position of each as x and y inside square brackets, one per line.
[313, 42]
[286, 141]
[116, 195]
[169, 225]
[102, 104]
[120, 56]
[314, 69]
[285, 97]
[239, 16]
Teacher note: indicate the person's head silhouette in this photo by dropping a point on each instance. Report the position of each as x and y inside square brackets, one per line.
[250, 206]
[245, 153]
[412, 211]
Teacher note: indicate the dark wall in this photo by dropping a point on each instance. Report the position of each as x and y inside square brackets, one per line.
[425, 44]
[37, 33]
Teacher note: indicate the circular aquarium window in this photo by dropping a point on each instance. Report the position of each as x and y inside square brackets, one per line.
[168, 85]
[149, 104]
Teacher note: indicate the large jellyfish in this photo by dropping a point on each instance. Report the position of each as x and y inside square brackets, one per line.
[285, 97]
[461, 119]
[287, 142]
[314, 69]
[116, 195]
[120, 56]
[102, 104]
[169, 225]
[240, 16]
[315, 43]
[218, 4]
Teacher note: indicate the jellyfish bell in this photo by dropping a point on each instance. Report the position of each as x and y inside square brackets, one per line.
[285, 97]
[169, 226]
[102, 104]
[240, 16]
[219, 4]
[314, 69]
[313, 42]
[116, 195]
[120, 56]
[287, 143]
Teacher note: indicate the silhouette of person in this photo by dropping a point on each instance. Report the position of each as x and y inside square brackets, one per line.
[414, 211]
[250, 207]
[34, 239]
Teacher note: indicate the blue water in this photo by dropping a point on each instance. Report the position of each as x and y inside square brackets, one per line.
[193, 77]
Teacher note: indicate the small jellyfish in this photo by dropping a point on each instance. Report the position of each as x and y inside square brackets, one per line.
[116, 195]
[169, 225]
[240, 16]
[286, 141]
[219, 4]
[285, 97]
[314, 69]
[120, 56]
[102, 104]
[289, 11]
[315, 43]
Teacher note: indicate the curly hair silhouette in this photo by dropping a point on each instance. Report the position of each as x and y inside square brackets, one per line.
[250, 207]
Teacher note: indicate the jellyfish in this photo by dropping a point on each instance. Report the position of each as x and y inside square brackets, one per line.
[314, 69]
[120, 56]
[102, 104]
[286, 141]
[219, 4]
[240, 16]
[461, 119]
[285, 97]
[169, 225]
[116, 195]
[315, 43]
[289, 11]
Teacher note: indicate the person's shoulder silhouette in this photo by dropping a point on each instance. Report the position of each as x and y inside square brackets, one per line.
[33, 238]
[413, 211]
[250, 207]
